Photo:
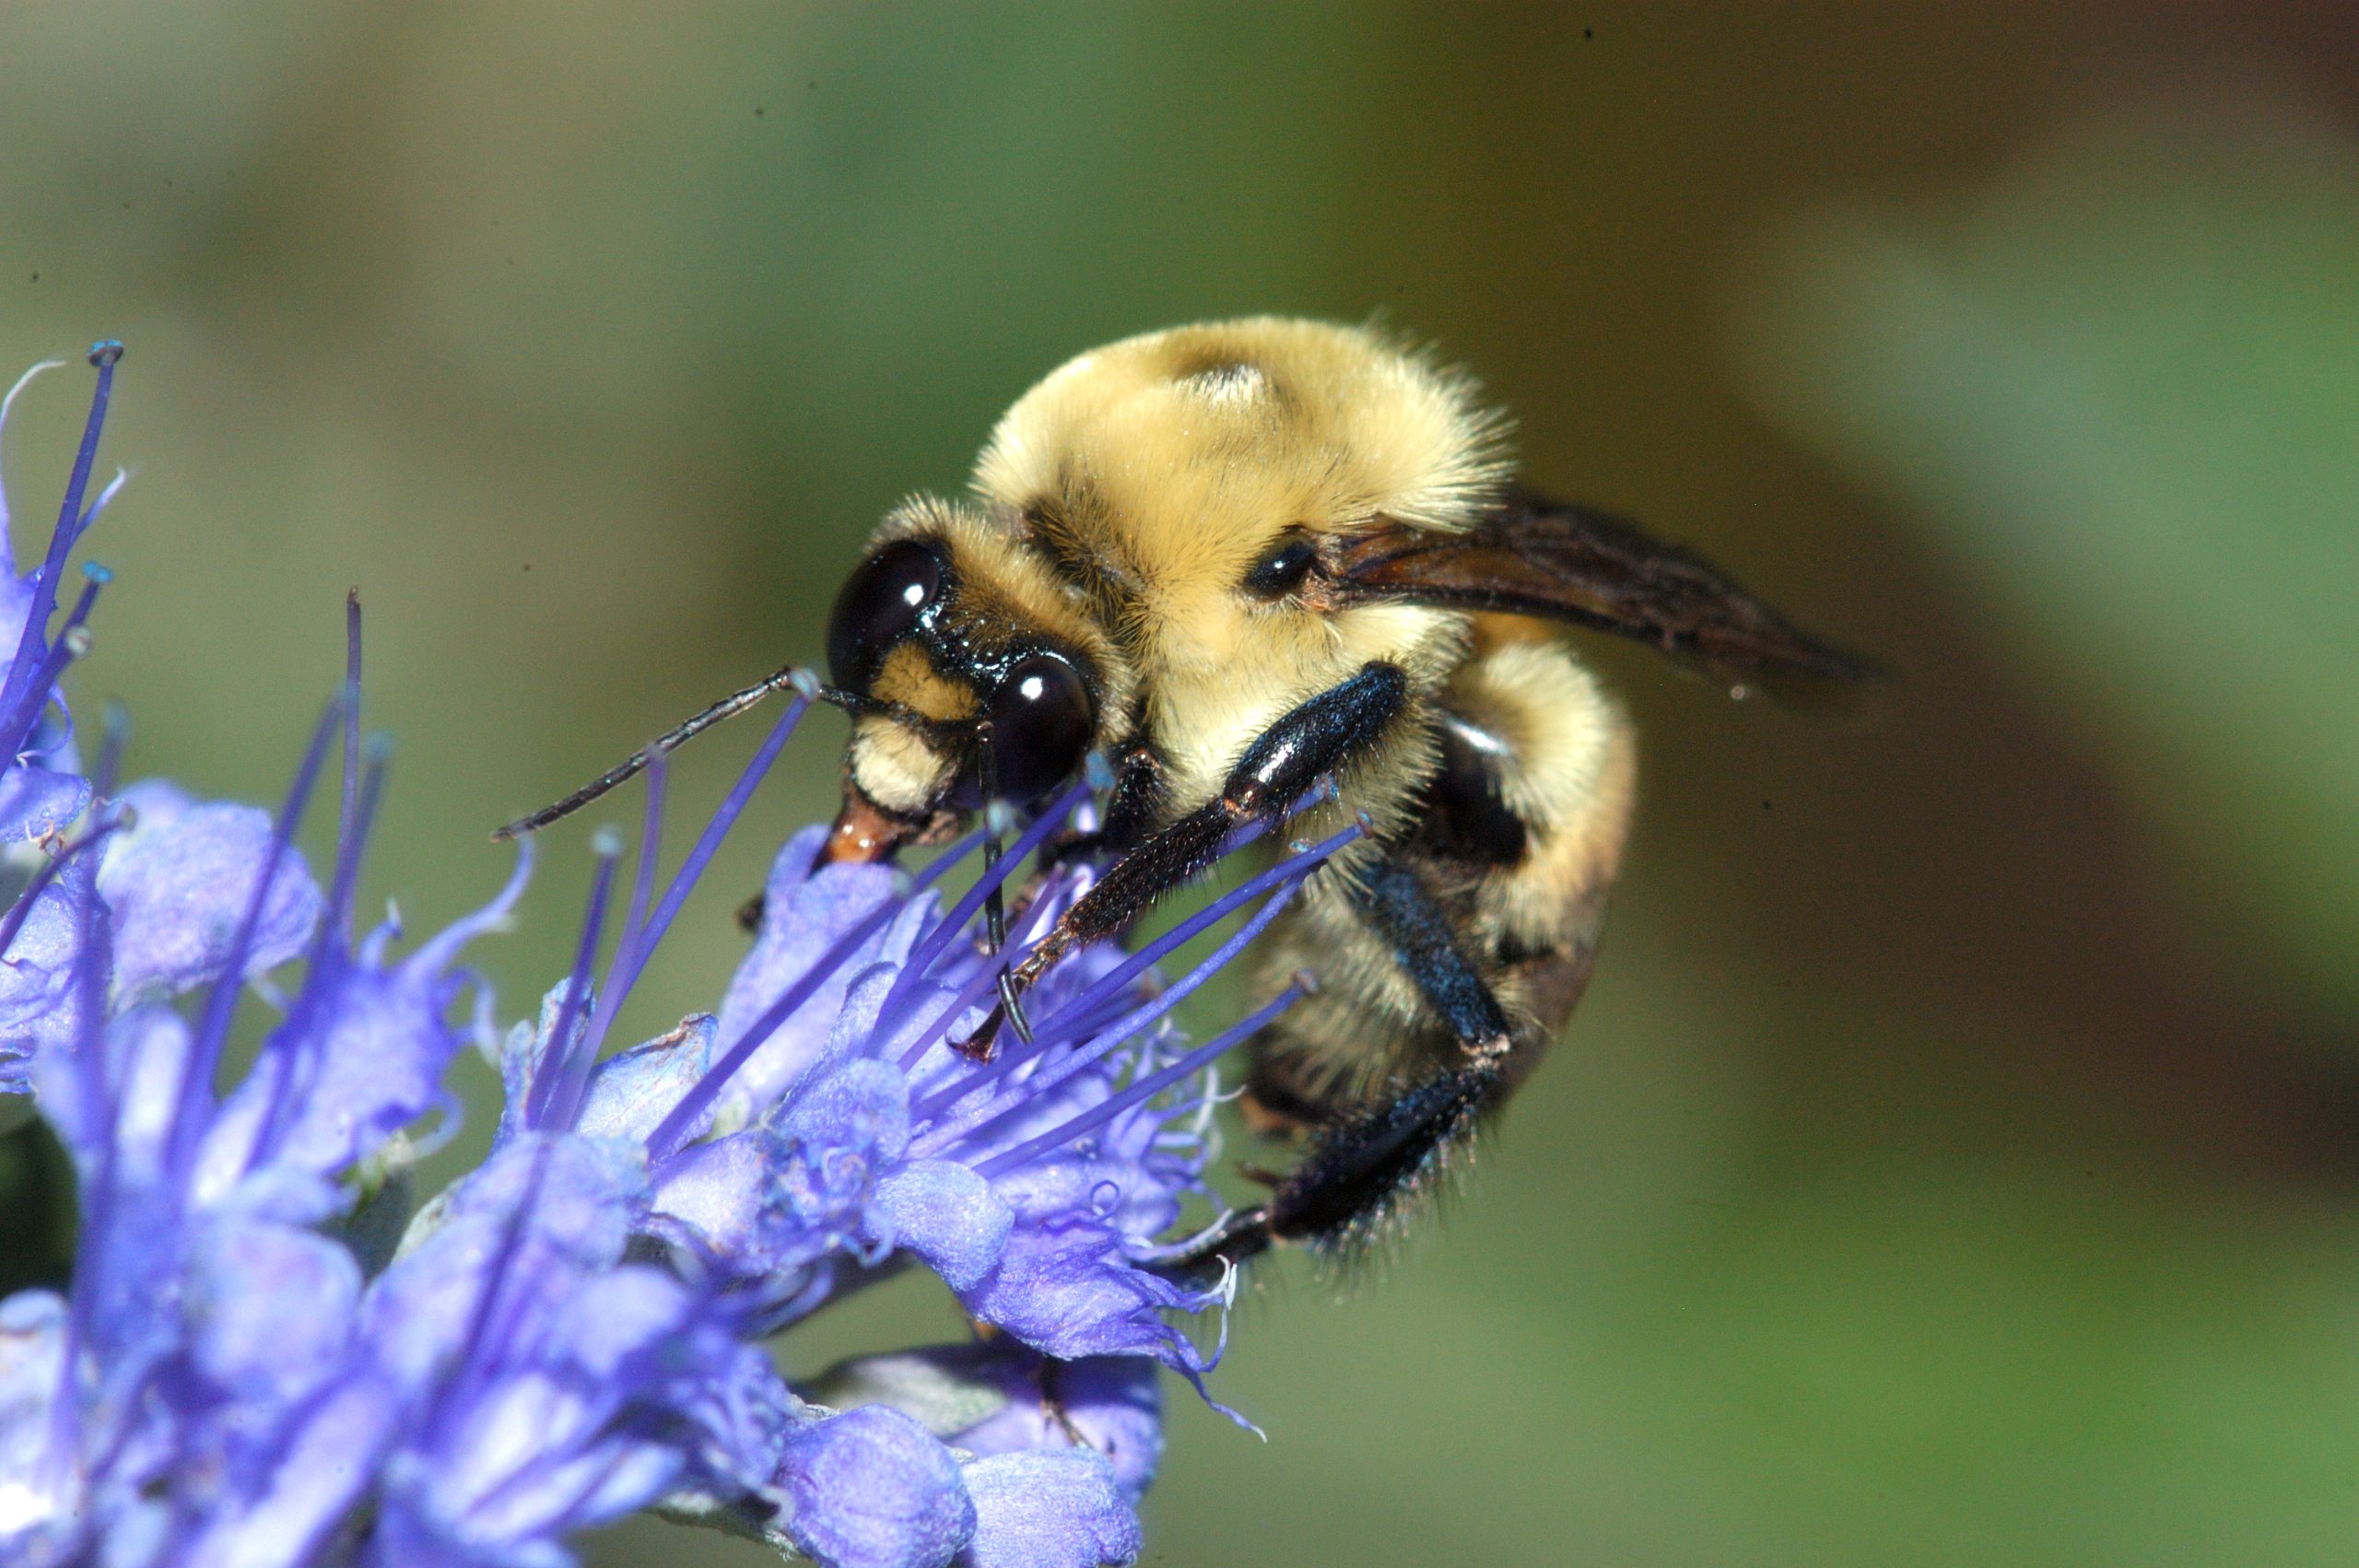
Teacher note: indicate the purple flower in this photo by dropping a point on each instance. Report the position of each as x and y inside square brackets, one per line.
[543, 1383]
[826, 1126]
[1037, 1184]
[41, 788]
[1001, 1397]
[975, 1455]
[175, 913]
[873, 1488]
[1048, 1510]
[210, 1388]
[265, 1357]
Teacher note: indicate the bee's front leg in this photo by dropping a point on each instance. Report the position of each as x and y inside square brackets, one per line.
[1316, 737]
[1138, 786]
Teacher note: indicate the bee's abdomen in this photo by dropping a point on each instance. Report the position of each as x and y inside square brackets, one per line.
[1517, 837]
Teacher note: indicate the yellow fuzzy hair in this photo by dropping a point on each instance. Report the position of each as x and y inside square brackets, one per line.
[1161, 468]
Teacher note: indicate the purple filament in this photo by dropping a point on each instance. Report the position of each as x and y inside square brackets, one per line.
[625, 971]
[1074, 1017]
[1012, 1097]
[352, 833]
[931, 946]
[344, 822]
[61, 540]
[1320, 791]
[25, 711]
[1086, 1012]
[205, 1052]
[651, 842]
[549, 1103]
[651, 845]
[899, 999]
[1138, 1092]
[479, 1315]
[673, 1130]
[985, 978]
[327, 949]
[99, 1199]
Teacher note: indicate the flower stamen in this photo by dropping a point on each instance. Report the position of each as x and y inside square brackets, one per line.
[930, 947]
[549, 1102]
[1014, 1097]
[61, 540]
[221, 1003]
[73, 641]
[625, 970]
[346, 815]
[1020, 942]
[1140, 1091]
[1077, 1020]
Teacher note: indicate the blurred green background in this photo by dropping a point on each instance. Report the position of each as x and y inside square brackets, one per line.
[1957, 1158]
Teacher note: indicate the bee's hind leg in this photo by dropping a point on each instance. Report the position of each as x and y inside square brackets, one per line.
[1359, 1167]
[1364, 1159]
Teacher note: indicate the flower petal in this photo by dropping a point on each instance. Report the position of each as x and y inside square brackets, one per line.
[179, 882]
[35, 803]
[864, 1106]
[804, 913]
[565, 1386]
[871, 1488]
[270, 1308]
[717, 1196]
[998, 1397]
[1055, 1509]
[576, 1195]
[359, 1056]
[1066, 1284]
[948, 1216]
[39, 1008]
[632, 1091]
[1113, 1404]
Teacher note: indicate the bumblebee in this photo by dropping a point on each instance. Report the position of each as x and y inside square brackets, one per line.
[1236, 559]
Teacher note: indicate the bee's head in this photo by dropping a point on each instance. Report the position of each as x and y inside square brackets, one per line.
[970, 674]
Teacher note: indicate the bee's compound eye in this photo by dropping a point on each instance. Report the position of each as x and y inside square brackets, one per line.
[877, 605]
[1281, 571]
[1040, 723]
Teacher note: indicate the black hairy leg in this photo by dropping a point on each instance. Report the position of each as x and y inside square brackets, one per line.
[1315, 737]
[1363, 1159]
[1138, 785]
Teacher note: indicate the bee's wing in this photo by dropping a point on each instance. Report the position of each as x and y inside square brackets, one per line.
[1532, 556]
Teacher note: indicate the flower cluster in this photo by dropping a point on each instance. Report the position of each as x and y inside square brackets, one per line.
[269, 1353]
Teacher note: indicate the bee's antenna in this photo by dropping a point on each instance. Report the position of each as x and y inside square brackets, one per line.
[807, 685]
[900, 713]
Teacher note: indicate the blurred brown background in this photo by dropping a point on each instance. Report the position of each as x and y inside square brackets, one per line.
[1955, 1162]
